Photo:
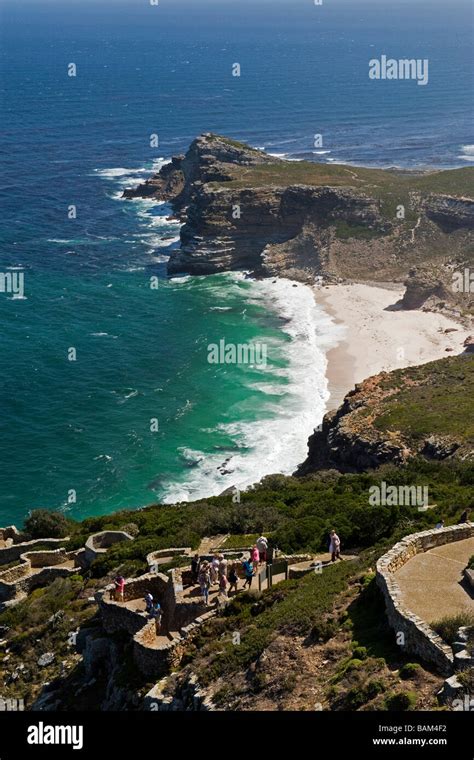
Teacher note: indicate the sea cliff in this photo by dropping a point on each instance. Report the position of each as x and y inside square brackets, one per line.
[243, 209]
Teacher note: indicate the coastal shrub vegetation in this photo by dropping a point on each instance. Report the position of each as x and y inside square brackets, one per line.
[448, 626]
[401, 700]
[41, 523]
[297, 514]
[434, 399]
[409, 670]
[291, 608]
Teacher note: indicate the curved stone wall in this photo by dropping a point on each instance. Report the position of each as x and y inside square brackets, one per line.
[419, 637]
[13, 552]
[117, 617]
[98, 543]
[21, 579]
[153, 557]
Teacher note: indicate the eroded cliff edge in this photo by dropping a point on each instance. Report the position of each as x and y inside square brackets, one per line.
[396, 416]
[246, 210]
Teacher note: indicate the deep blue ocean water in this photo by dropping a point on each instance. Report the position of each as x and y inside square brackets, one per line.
[83, 426]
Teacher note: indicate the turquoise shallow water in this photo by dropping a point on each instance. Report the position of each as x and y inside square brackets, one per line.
[82, 435]
[142, 353]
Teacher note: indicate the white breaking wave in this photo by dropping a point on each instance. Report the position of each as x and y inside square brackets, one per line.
[153, 215]
[286, 156]
[277, 444]
[467, 153]
[127, 176]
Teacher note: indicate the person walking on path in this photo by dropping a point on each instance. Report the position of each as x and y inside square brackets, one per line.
[223, 583]
[262, 546]
[334, 546]
[255, 557]
[205, 581]
[249, 572]
[157, 614]
[195, 565]
[148, 602]
[215, 569]
[222, 566]
[233, 578]
[119, 588]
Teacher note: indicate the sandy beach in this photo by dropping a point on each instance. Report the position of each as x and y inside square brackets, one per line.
[377, 338]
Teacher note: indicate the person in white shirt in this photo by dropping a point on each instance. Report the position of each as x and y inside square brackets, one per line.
[215, 569]
[334, 546]
[262, 546]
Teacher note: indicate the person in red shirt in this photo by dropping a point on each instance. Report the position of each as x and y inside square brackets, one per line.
[119, 588]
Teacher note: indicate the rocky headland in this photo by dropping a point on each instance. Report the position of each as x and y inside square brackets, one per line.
[390, 418]
[243, 209]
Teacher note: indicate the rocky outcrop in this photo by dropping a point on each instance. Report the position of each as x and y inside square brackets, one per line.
[421, 288]
[450, 212]
[365, 432]
[346, 442]
[469, 345]
[206, 161]
[245, 210]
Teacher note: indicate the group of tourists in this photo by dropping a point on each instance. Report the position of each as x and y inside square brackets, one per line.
[224, 574]
[221, 573]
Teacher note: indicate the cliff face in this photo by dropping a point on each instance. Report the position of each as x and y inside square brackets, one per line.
[392, 417]
[244, 209]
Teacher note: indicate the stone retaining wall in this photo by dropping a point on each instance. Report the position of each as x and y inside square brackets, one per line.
[173, 552]
[116, 617]
[97, 544]
[155, 662]
[10, 533]
[14, 552]
[420, 638]
[20, 579]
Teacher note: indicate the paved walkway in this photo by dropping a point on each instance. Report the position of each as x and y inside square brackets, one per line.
[432, 583]
[212, 542]
[69, 563]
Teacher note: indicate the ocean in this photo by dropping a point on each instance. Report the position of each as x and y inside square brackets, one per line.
[77, 435]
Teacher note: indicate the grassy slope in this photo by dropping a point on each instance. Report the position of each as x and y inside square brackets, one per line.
[435, 398]
[390, 187]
